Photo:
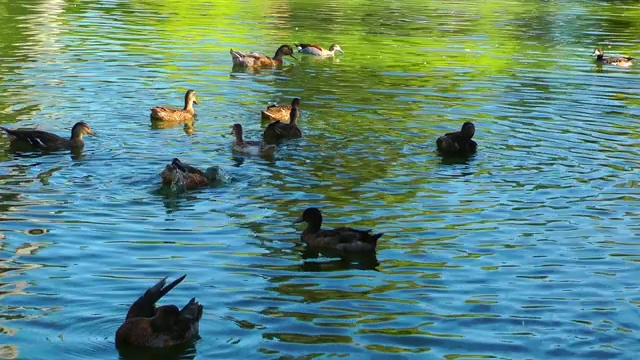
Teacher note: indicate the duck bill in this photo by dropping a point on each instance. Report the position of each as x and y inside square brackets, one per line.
[341, 52]
[92, 133]
[195, 101]
[298, 220]
[293, 56]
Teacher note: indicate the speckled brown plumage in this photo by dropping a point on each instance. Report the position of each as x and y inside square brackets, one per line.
[169, 114]
[255, 60]
[280, 112]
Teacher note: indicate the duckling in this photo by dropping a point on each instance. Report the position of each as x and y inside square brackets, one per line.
[256, 60]
[624, 61]
[42, 140]
[344, 239]
[316, 50]
[280, 112]
[188, 177]
[149, 326]
[459, 142]
[250, 147]
[279, 131]
[165, 113]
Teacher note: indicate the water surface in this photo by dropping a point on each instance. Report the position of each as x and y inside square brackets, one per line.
[528, 249]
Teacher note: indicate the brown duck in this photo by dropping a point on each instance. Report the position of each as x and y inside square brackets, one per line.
[149, 326]
[250, 147]
[624, 61]
[188, 177]
[458, 142]
[165, 113]
[280, 112]
[42, 140]
[255, 60]
[278, 131]
[343, 239]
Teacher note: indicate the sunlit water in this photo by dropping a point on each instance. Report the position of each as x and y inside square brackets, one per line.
[529, 249]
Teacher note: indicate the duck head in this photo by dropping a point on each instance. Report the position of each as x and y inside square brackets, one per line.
[310, 216]
[284, 50]
[335, 47]
[190, 97]
[237, 131]
[80, 129]
[468, 130]
[598, 53]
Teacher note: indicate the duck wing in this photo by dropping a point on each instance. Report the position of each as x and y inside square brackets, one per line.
[145, 305]
[35, 138]
[278, 130]
[186, 167]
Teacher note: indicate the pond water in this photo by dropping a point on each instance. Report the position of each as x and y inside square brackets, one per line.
[528, 249]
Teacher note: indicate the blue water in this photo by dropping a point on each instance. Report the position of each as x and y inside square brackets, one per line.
[528, 249]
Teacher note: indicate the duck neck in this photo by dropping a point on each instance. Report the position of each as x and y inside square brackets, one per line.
[313, 227]
[278, 55]
[239, 139]
[188, 106]
[293, 116]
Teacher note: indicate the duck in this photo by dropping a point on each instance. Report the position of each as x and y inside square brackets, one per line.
[458, 142]
[42, 140]
[250, 147]
[169, 114]
[280, 112]
[624, 61]
[343, 239]
[256, 60]
[278, 131]
[316, 50]
[188, 177]
[155, 327]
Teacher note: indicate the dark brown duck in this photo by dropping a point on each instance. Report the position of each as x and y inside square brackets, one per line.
[344, 239]
[149, 326]
[458, 142]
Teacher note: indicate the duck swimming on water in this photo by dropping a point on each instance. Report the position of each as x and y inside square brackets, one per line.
[279, 131]
[169, 114]
[42, 140]
[250, 147]
[280, 112]
[149, 326]
[343, 239]
[255, 60]
[624, 61]
[458, 142]
[316, 50]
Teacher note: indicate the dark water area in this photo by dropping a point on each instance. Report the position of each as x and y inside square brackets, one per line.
[528, 249]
